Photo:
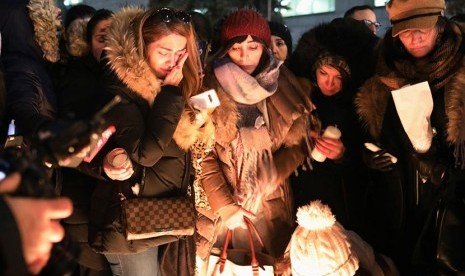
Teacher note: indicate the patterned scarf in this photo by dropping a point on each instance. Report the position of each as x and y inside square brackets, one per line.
[438, 67]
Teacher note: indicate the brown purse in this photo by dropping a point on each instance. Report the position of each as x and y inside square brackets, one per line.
[145, 218]
[152, 217]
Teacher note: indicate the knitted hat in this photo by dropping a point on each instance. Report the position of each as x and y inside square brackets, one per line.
[245, 22]
[336, 61]
[414, 14]
[281, 30]
[319, 245]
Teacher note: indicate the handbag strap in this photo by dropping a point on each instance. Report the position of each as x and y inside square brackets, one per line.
[254, 262]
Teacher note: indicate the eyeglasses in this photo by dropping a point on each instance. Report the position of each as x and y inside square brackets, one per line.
[369, 23]
[167, 15]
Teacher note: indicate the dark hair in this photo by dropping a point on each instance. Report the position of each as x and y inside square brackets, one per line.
[352, 10]
[78, 11]
[202, 26]
[459, 17]
[99, 15]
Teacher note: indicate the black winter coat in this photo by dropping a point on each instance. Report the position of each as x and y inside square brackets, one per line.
[30, 96]
[146, 133]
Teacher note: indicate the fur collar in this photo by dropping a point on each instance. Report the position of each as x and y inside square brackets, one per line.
[372, 100]
[76, 43]
[42, 14]
[124, 58]
[131, 68]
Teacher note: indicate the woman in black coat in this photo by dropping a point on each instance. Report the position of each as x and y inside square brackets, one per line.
[153, 65]
[333, 60]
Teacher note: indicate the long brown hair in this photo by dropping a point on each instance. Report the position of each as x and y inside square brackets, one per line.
[153, 26]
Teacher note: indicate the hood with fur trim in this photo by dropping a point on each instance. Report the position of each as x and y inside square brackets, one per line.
[76, 43]
[42, 14]
[124, 58]
[346, 40]
[134, 71]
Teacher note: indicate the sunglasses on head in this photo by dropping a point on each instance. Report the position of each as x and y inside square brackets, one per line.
[167, 15]
[369, 23]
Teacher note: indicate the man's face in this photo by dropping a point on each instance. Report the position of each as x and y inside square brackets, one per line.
[368, 15]
[419, 42]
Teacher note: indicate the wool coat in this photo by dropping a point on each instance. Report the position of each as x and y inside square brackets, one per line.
[287, 110]
[403, 201]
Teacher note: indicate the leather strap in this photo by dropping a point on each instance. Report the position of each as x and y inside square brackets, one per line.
[254, 262]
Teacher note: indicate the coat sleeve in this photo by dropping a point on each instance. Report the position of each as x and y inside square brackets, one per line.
[146, 137]
[11, 254]
[214, 183]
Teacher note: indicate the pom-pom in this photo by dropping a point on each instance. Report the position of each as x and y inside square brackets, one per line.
[315, 216]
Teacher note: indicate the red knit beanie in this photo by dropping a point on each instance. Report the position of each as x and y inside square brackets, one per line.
[245, 22]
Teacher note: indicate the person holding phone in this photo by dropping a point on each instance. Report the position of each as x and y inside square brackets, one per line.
[152, 63]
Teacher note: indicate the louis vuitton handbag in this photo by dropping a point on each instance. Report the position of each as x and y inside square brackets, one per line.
[152, 217]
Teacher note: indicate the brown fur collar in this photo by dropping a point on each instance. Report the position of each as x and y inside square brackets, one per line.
[372, 100]
[124, 58]
[76, 43]
[42, 14]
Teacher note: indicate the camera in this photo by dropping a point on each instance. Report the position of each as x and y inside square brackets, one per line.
[51, 148]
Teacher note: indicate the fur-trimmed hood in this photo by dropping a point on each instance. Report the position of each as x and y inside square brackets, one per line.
[372, 100]
[134, 71]
[125, 59]
[42, 14]
[346, 40]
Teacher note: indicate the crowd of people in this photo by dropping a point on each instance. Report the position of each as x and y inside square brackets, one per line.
[359, 139]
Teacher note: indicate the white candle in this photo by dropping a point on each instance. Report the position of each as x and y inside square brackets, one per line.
[330, 132]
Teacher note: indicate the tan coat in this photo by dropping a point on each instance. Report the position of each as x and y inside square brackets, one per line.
[288, 109]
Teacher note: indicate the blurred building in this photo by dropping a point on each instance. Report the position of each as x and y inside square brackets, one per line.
[301, 15]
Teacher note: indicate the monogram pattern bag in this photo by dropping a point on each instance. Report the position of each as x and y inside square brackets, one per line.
[152, 217]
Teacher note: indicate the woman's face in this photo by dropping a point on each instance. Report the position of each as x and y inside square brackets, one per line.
[279, 48]
[163, 54]
[99, 38]
[419, 42]
[246, 54]
[329, 80]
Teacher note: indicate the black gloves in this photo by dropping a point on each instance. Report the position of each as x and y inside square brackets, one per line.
[428, 167]
[377, 160]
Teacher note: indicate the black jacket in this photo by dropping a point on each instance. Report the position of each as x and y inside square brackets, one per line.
[30, 96]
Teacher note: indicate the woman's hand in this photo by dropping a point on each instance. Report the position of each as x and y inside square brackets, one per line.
[117, 165]
[175, 76]
[233, 216]
[331, 148]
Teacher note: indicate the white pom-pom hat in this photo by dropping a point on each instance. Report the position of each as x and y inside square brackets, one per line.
[319, 245]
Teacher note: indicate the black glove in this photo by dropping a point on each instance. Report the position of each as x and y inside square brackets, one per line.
[377, 160]
[428, 167]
